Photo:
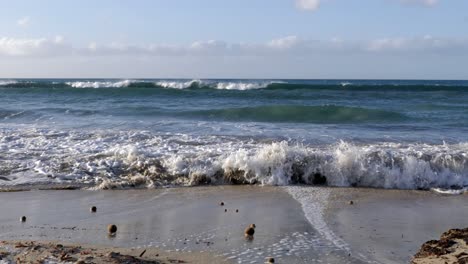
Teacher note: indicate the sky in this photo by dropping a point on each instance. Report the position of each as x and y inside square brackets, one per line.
[306, 39]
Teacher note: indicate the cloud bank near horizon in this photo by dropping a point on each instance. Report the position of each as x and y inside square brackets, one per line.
[289, 45]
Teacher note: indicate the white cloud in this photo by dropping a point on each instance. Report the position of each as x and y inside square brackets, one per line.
[286, 46]
[23, 22]
[33, 47]
[284, 43]
[428, 44]
[428, 3]
[309, 5]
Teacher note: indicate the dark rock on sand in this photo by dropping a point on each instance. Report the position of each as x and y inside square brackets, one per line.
[250, 231]
[111, 229]
[451, 248]
[23, 219]
[93, 209]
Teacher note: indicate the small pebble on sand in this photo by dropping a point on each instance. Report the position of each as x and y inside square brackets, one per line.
[112, 229]
[93, 209]
[237, 210]
[23, 219]
[351, 202]
[250, 231]
[270, 260]
[225, 210]
[221, 203]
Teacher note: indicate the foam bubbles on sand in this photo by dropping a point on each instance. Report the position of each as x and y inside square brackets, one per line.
[312, 201]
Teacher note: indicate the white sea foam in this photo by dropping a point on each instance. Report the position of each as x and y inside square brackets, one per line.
[7, 82]
[141, 159]
[450, 191]
[220, 85]
[313, 203]
[242, 85]
[100, 84]
[178, 84]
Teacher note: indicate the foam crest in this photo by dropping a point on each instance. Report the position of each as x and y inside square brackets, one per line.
[213, 84]
[178, 84]
[7, 82]
[100, 84]
[242, 85]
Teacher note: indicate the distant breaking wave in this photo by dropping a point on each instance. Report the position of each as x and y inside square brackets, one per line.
[6, 82]
[99, 84]
[172, 84]
[220, 85]
[238, 85]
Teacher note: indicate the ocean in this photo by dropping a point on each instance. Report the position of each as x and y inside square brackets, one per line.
[149, 133]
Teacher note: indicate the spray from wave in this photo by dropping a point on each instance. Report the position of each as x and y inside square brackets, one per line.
[142, 160]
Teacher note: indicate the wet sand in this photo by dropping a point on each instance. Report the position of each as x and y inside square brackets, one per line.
[177, 220]
[294, 224]
[389, 226]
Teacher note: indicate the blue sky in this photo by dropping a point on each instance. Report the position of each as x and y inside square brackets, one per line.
[410, 39]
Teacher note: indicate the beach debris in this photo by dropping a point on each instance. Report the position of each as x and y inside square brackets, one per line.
[20, 245]
[237, 210]
[221, 203]
[225, 210]
[351, 202]
[113, 254]
[451, 248]
[111, 229]
[93, 209]
[250, 231]
[270, 260]
[142, 253]
[23, 219]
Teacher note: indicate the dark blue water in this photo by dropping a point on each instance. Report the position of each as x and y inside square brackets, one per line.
[215, 118]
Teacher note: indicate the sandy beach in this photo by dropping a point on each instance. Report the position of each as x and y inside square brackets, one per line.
[294, 224]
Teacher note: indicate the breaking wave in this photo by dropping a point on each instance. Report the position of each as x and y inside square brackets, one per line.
[7, 82]
[220, 85]
[242, 85]
[100, 84]
[99, 160]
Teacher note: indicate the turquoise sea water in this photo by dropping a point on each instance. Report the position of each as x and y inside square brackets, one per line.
[148, 133]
